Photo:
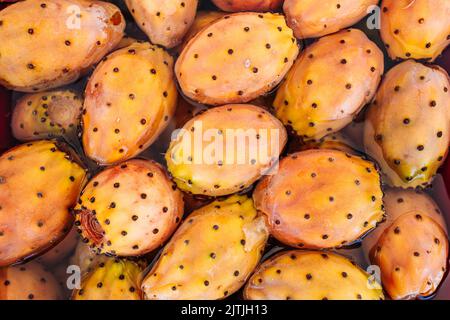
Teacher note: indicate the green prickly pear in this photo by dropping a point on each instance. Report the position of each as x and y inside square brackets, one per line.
[129, 209]
[48, 44]
[212, 253]
[321, 198]
[258, 50]
[311, 275]
[313, 101]
[39, 182]
[130, 99]
[407, 128]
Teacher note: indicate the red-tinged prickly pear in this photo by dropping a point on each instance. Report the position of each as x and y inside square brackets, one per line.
[313, 101]
[321, 199]
[248, 5]
[61, 250]
[39, 182]
[203, 19]
[311, 275]
[164, 22]
[28, 282]
[211, 255]
[130, 99]
[258, 50]
[76, 34]
[86, 258]
[129, 209]
[47, 115]
[247, 143]
[114, 279]
[418, 29]
[407, 128]
[411, 247]
[313, 19]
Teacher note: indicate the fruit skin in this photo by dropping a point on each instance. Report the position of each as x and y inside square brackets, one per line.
[39, 184]
[311, 275]
[335, 141]
[248, 5]
[203, 19]
[313, 19]
[407, 128]
[197, 171]
[47, 115]
[257, 55]
[62, 250]
[164, 22]
[86, 258]
[211, 255]
[114, 279]
[129, 209]
[28, 65]
[28, 282]
[411, 247]
[313, 101]
[321, 199]
[417, 29]
[130, 99]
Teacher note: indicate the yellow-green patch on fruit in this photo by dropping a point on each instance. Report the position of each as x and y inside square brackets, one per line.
[225, 149]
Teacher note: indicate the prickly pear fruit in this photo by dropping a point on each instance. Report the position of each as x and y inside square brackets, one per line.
[129, 100]
[211, 255]
[313, 101]
[28, 282]
[61, 250]
[335, 141]
[239, 132]
[164, 22]
[76, 34]
[248, 5]
[39, 182]
[313, 19]
[311, 275]
[5, 116]
[114, 279]
[86, 258]
[203, 19]
[129, 209]
[407, 129]
[418, 29]
[258, 50]
[321, 199]
[411, 248]
[47, 115]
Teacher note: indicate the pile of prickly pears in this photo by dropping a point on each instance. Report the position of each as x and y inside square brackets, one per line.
[224, 149]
